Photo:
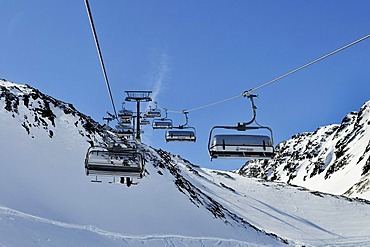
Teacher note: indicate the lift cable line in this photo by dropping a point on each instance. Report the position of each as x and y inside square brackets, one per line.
[247, 92]
[100, 56]
[306, 65]
[215, 103]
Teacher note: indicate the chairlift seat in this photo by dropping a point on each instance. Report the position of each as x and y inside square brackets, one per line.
[162, 124]
[125, 114]
[152, 113]
[109, 162]
[124, 130]
[122, 147]
[241, 146]
[144, 122]
[125, 120]
[180, 136]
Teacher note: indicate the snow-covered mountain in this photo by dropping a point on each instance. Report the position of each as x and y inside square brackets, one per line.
[47, 200]
[333, 159]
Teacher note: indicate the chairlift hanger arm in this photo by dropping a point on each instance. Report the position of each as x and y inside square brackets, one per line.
[165, 110]
[185, 112]
[251, 96]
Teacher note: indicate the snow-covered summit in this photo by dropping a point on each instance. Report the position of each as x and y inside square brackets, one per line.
[333, 159]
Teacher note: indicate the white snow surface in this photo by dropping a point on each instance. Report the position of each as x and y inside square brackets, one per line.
[47, 200]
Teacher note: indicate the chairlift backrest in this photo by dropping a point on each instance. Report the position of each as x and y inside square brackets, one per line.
[184, 135]
[241, 146]
[124, 130]
[144, 122]
[162, 123]
[125, 114]
[122, 146]
[125, 121]
[114, 161]
[152, 113]
[242, 140]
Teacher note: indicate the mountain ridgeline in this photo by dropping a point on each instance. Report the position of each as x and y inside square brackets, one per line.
[333, 159]
[37, 110]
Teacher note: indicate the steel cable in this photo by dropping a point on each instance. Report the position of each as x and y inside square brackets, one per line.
[100, 56]
[245, 93]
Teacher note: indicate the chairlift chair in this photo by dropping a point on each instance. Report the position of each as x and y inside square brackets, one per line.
[162, 123]
[122, 146]
[182, 133]
[114, 161]
[125, 114]
[241, 146]
[144, 121]
[152, 113]
[123, 130]
[126, 121]
[249, 146]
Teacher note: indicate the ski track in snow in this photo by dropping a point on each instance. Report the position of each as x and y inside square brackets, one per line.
[126, 240]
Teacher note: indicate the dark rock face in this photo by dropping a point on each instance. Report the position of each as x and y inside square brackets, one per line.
[37, 110]
[331, 153]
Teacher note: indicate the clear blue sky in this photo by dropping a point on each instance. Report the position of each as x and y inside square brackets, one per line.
[192, 53]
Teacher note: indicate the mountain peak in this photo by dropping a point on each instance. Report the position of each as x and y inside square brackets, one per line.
[333, 159]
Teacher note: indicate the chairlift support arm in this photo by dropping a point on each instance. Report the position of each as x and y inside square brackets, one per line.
[186, 119]
[254, 108]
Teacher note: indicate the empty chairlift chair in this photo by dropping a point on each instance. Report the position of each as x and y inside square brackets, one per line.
[125, 114]
[251, 146]
[185, 134]
[182, 133]
[153, 113]
[162, 123]
[144, 121]
[124, 130]
[241, 146]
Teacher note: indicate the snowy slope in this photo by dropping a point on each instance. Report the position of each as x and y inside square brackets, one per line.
[19, 229]
[43, 175]
[46, 198]
[333, 159]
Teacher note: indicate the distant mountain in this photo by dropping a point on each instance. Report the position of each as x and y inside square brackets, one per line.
[333, 159]
[46, 199]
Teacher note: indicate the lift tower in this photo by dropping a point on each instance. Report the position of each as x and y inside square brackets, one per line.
[138, 96]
